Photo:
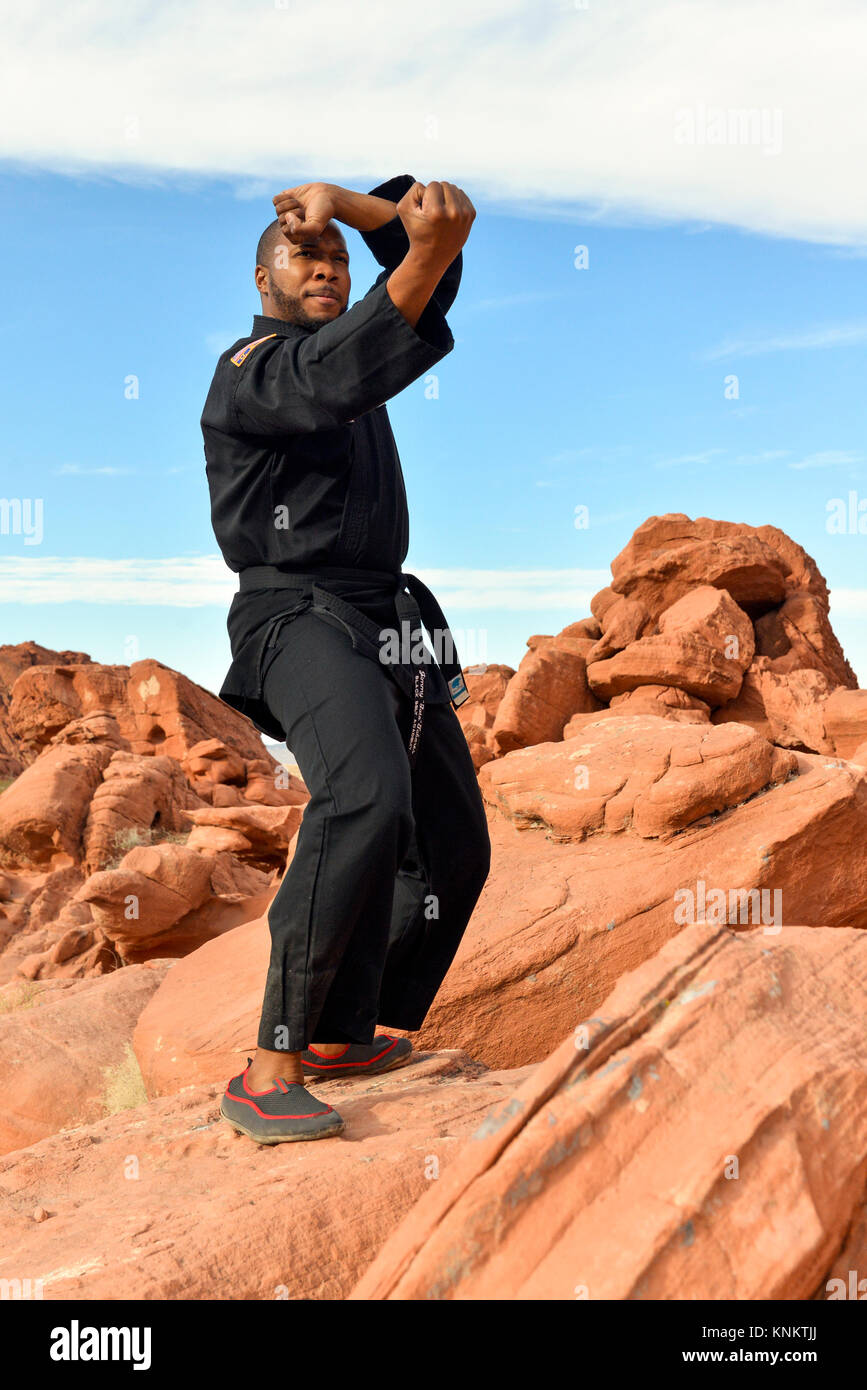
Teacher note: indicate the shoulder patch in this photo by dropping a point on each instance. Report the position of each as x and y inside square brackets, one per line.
[244, 353]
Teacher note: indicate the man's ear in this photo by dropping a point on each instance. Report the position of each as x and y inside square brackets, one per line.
[260, 278]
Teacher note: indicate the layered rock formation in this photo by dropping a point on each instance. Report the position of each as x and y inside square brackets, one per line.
[166, 1201]
[146, 816]
[705, 619]
[676, 790]
[650, 1157]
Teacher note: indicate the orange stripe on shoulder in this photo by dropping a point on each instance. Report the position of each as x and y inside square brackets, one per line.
[244, 353]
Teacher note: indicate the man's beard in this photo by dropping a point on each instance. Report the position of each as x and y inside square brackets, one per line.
[292, 308]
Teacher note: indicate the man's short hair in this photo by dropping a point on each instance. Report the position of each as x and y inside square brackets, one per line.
[273, 236]
[267, 242]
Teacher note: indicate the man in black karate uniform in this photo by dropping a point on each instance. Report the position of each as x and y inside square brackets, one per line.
[308, 506]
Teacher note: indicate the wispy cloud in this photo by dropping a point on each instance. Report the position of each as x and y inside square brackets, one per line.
[823, 458]
[180, 91]
[849, 601]
[831, 336]
[703, 457]
[511, 301]
[108, 469]
[829, 458]
[516, 590]
[758, 459]
[180, 582]
[198, 581]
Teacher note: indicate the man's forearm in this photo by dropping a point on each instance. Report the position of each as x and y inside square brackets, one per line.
[362, 211]
[411, 285]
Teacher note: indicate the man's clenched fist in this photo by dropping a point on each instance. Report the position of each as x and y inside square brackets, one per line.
[437, 217]
[303, 212]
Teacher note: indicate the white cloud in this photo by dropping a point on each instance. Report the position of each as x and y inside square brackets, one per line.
[760, 458]
[181, 582]
[849, 601]
[196, 581]
[626, 110]
[704, 457]
[511, 301]
[831, 336]
[108, 470]
[828, 458]
[516, 590]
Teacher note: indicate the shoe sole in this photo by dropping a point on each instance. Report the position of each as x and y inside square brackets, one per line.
[282, 1138]
[338, 1075]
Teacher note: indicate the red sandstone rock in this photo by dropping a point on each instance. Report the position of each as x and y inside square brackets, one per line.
[487, 688]
[166, 1202]
[789, 709]
[860, 755]
[549, 686]
[624, 621]
[157, 710]
[670, 555]
[113, 759]
[602, 602]
[703, 645]
[136, 793]
[14, 660]
[666, 701]
[214, 1030]
[681, 659]
[163, 900]
[650, 1156]
[845, 718]
[258, 835]
[56, 1041]
[798, 636]
[557, 923]
[585, 627]
[649, 774]
[43, 813]
[211, 762]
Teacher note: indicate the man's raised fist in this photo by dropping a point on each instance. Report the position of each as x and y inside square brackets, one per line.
[437, 217]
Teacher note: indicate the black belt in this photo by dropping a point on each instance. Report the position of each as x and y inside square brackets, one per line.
[413, 609]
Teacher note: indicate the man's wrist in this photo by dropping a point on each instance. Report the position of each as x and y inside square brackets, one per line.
[426, 260]
[363, 211]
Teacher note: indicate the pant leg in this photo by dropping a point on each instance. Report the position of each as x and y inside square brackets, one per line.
[334, 905]
[442, 874]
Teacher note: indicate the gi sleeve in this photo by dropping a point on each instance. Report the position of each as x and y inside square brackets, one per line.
[390, 243]
[316, 381]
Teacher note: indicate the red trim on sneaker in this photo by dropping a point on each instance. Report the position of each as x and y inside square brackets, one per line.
[335, 1061]
[247, 1088]
[335, 1056]
[242, 1100]
[253, 1106]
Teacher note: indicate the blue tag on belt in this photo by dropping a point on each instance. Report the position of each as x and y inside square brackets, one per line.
[458, 689]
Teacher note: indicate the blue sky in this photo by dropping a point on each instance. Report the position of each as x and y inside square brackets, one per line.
[601, 387]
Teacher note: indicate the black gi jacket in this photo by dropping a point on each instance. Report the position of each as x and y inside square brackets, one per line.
[301, 462]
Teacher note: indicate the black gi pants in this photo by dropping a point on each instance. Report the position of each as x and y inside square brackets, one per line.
[390, 859]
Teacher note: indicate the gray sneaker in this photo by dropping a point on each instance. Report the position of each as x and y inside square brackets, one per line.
[359, 1059]
[283, 1114]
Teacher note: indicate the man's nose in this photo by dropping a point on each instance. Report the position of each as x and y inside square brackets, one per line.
[324, 268]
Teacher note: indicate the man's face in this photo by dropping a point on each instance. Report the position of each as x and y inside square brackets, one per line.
[308, 283]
